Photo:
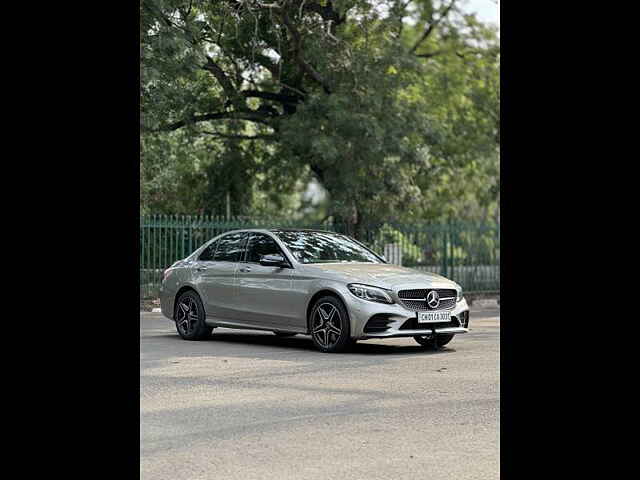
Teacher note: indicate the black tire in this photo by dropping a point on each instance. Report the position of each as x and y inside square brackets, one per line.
[442, 340]
[190, 325]
[328, 316]
[285, 334]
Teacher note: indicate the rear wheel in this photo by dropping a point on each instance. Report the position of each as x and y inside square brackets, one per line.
[329, 325]
[189, 316]
[427, 340]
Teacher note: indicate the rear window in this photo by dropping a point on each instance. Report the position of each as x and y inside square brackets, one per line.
[230, 247]
[207, 253]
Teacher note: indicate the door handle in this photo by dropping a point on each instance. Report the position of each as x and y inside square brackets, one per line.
[201, 269]
[245, 269]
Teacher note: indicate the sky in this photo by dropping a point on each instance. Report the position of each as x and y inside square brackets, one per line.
[486, 10]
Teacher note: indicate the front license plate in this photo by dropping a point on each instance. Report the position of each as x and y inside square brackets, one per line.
[434, 317]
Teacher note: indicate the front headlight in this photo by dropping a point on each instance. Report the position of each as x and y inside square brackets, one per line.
[459, 298]
[367, 292]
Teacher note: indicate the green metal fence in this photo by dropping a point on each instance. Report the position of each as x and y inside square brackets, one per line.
[467, 253]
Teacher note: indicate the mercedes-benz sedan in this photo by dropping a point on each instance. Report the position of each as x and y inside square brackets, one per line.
[317, 283]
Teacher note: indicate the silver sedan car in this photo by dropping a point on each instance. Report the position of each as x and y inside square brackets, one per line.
[318, 283]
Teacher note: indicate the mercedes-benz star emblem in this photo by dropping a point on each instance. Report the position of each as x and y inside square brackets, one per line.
[433, 299]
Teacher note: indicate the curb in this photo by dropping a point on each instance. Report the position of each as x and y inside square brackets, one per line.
[153, 310]
[477, 303]
[485, 303]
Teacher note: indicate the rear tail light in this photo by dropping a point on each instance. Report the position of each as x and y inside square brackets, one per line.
[166, 273]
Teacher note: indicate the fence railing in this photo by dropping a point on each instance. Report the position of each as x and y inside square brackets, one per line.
[468, 253]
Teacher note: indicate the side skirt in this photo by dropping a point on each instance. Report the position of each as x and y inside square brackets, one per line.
[219, 322]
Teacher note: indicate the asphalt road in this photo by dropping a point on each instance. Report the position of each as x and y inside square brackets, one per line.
[248, 405]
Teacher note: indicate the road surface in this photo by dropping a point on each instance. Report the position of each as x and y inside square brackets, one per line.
[248, 405]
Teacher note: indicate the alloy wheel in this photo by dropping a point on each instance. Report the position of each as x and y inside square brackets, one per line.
[187, 315]
[327, 325]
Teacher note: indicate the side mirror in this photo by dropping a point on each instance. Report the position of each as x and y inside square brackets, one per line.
[272, 261]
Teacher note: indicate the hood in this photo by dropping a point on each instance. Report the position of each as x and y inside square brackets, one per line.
[381, 275]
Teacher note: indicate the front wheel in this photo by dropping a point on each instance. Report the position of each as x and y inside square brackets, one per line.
[329, 325]
[189, 316]
[427, 340]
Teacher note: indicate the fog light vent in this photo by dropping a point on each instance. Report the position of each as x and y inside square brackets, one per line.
[378, 323]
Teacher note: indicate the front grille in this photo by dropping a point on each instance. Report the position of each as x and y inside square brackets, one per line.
[412, 324]
[378, 323]
[416, 299]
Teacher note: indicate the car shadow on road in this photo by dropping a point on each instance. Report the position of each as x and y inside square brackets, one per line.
[304, 343]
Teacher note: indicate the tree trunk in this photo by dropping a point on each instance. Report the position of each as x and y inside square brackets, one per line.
[359, 226]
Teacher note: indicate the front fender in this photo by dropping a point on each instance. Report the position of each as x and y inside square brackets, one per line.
[338, 289]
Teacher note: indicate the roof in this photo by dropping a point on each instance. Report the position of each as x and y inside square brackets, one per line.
[275, 230]
[308, 230]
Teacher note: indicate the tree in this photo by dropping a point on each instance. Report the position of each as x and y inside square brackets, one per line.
[367, 96]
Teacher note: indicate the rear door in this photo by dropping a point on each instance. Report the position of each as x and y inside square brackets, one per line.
[215, 275]
[265, 293]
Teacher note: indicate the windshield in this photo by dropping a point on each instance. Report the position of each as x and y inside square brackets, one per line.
[322, 247]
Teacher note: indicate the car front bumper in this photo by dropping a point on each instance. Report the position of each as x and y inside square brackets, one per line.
[400, 322]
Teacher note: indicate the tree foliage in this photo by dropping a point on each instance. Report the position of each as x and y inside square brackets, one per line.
[391, 105]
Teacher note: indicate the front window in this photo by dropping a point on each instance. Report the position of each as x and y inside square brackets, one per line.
[260, 245]
[325, 247]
